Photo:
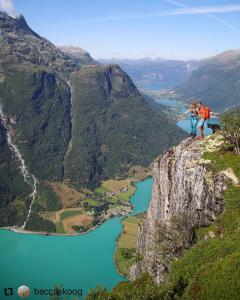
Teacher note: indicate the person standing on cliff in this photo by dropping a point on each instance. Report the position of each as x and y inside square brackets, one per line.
[193, 118]
[204, 114]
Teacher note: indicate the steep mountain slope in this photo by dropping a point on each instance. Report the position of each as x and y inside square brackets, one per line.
[216, 81]
[21, 45]
[156, 73]
[113, 127]
[35, 112]
[70, 122]
[39, 103]
[14, 191]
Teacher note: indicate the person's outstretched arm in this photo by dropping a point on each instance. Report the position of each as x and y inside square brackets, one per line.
[185, 113]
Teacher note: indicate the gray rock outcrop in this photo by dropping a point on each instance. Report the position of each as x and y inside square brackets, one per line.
[185, 195]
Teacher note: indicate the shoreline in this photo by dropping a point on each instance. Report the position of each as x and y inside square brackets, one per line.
[116, 247]
[21, 230]
[117, 239]
[123, 216]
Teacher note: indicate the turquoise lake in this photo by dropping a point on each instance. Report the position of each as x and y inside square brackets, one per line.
[79, 262]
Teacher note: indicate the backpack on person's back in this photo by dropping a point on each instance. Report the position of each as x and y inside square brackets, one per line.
[204, 112]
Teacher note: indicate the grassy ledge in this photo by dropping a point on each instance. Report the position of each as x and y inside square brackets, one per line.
[126, 253]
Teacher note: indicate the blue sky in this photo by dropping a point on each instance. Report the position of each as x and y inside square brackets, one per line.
[136, 28]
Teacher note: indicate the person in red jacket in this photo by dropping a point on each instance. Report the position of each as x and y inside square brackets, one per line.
[204, 113]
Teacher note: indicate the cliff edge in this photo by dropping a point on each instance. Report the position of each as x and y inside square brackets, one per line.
[185, 195]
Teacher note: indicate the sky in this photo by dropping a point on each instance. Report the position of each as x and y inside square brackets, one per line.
[184, 29]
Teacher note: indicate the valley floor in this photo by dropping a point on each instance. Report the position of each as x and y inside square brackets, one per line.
[77, 211]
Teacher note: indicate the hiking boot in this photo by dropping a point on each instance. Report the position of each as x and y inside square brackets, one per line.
[200, 138]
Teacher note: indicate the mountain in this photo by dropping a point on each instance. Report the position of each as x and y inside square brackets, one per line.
[21, 45]
[216, 81]
[155, 73]
[79, 55]
[115, 128]
[62, 121]
[133, 62]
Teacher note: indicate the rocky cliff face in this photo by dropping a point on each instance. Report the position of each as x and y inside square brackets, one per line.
[110, 80]
[184, 195]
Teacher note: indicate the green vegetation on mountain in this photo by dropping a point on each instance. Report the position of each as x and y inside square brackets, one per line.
[36, 223]
[14, 191]
[47, 200]
[113, 127]
[39, 104]
[231, 126]
[216, 81]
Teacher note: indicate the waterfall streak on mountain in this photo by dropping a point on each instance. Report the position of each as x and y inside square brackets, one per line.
[28, 178]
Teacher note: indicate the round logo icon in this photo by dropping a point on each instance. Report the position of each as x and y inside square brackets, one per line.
[23, 291]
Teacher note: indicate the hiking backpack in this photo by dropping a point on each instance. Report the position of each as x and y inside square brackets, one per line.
[205, 112]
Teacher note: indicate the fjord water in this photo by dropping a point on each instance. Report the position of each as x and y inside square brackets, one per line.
[77, 262]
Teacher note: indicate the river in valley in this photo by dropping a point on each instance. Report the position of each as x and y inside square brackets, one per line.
[77, 262]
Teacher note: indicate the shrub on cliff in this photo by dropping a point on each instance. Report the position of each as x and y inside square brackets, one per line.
[231, 127]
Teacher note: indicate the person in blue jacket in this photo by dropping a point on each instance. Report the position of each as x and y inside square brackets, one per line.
[193, 117]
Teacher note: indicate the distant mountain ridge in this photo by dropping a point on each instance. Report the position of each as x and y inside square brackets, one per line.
[156, 73]
[226, 56]
[143, 60]
[216, 81]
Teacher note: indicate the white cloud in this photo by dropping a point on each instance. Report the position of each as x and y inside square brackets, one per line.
[204, 10]
[207, 11]
[7, 6]
[182, 10]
